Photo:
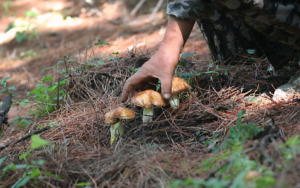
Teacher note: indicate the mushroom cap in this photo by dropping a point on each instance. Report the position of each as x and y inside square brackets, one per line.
[148, 98]
[178, 84]
[118, 113]
[251, 175]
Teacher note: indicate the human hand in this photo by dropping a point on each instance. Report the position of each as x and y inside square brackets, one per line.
[161, 66]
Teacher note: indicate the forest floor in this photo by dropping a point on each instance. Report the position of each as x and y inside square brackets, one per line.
[179, 148]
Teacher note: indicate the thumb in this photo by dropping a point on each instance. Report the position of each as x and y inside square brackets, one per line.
[166, 87]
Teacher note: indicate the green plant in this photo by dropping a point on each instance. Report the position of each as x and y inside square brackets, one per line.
[84, 185]
[25, 28]
[239, 134]
[7, 89]
[28, 54]
[48, 93]
[6, 5]
[31, 170]
[232, 163]
[187, 75]
[21, 122]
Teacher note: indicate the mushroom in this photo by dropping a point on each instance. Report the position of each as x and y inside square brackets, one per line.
[114, 117]
[177, 85]
[252, 174]
[146, 99]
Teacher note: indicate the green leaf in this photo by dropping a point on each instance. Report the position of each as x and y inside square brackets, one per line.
[251, 51]
[25, 123]
[101, 43]
[30, 13]
[187, 55]
[47, 78]
[10, 26]
[239, 180]
[265, 182]
[233, 132]
[4, 80]
[188, 74]
[136, 69]
[35, 91]
[35, 172]
[240, 114]
[216, 183]
[21, 182]
[20, 36]
[54, 125]
[25, 154]
[116, 53]
[43, 70]
[100, 62]
[270, 69]
[39, 162]
[12, 88]
[2, 159]
[293, 141]
[226, 72]
[38, 142]
[113, 58]
[287, 68]
[51, 175]
[72, 60]
[6, 5]
[82, 184]
[22, 166]
[211, 72]
[24, 102]
[9, 167]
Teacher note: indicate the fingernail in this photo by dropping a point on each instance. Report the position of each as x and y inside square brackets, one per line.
[167, 96]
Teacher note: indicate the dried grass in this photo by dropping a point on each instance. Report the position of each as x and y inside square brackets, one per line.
[149, 155]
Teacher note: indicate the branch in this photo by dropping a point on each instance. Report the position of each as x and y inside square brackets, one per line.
[155, 9]
[134, 10]
[25, 137]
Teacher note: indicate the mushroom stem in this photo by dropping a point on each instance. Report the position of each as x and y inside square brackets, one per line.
[174, 101]
[147, 114]
[113, 133]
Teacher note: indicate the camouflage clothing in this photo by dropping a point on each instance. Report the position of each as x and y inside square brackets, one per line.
[277, 19]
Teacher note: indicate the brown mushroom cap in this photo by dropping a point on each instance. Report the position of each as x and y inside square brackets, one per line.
[178, 85]
[118, 113]
[147, 99]
[251, 175]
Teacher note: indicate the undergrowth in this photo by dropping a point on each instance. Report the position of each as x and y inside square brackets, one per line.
[230, 166]
[234, 168]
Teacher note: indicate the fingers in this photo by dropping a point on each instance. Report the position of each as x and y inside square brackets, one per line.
[126, 90]
[138, 81]
[166, 87]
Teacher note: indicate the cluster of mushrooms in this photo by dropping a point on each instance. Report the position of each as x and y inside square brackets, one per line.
[145, 99]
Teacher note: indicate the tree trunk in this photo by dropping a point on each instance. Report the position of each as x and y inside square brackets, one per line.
[227, 36]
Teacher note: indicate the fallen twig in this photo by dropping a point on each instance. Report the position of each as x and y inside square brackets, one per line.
[25, 137]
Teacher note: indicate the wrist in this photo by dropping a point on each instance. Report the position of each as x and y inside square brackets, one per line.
[170, 52]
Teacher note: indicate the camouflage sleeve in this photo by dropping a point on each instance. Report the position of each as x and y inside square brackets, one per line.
[190, 9]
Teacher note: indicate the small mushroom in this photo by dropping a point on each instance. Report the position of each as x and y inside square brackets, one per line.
[177, 85]
[114, 117]
[251, 175]
[146, 99]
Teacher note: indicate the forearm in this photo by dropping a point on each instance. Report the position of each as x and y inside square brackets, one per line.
[177, 33]
[163, 63]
